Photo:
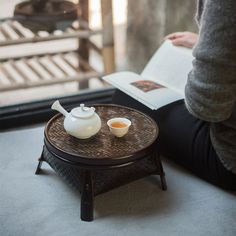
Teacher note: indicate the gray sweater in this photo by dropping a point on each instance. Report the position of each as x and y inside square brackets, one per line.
[210, 93]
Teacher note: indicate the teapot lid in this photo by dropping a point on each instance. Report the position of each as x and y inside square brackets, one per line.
[82, 111]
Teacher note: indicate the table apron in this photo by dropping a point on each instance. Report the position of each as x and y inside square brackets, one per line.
[98, 167]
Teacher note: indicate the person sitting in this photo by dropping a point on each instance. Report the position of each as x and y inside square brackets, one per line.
[199, 132]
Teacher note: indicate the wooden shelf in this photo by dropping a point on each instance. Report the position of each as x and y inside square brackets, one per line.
[42, 70]
[13, 32]
[61, 67]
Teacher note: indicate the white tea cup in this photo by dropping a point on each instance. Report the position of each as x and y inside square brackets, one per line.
[119, 126]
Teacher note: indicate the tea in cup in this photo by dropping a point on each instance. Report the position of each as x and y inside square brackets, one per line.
[119, 126]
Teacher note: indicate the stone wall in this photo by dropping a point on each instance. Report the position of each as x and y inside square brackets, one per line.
[149, 21]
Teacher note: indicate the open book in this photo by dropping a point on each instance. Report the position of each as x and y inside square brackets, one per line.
[163, 79]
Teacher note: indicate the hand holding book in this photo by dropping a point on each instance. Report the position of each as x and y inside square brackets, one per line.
[185, 39]
[162, 80]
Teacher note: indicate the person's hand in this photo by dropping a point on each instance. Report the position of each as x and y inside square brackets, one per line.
[185, 39]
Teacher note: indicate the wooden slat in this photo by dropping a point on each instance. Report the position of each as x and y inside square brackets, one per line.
[54, 63]
[2, 37]
[95, 47]
[58, 32]
[45, 67]
[7, 74]
[43, 34]
[72, 59]
[24, 32]
[75, 25]
[39, 76]
[59, 60]
[16, 30]
[19, 76]
[35, 55]
[85, 64]
[51, 66]
[13, 74]
[76, 60]
[70, 30]
[9, 31]
[4, 79]
[81, 24]
[66, 59]
[79, 78]
[83, 49]
[57, 65]
[3, 32]
[76, 34]
[25, 71]
[108, 36]
[39, 69]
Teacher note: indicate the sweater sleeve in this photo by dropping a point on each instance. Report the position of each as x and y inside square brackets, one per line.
[210, 92]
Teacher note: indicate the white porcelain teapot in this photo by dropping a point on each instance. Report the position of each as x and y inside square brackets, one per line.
[82, 122]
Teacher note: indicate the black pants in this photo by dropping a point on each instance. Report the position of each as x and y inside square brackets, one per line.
[185, 139]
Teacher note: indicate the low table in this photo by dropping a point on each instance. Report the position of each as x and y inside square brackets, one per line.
[103, 162]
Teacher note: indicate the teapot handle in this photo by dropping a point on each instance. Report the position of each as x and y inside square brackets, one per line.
[57, 106]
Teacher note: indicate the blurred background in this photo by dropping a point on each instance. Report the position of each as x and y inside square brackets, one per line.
[70, 57]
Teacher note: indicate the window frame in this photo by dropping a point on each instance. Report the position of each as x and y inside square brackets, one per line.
[36, 112]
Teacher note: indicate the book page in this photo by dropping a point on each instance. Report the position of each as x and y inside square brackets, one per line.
[163, 79]
[170, 66]
[148, 92]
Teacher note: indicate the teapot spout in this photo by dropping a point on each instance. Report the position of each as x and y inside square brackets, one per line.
[57, 106]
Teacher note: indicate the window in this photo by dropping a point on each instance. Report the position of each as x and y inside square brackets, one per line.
[33, 66]
[38, 65]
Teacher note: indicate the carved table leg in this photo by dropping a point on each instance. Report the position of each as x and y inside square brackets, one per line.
[87, 197]
[160, 170]
[41, 159]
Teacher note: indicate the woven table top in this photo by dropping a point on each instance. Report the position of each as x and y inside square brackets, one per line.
[103, 146]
